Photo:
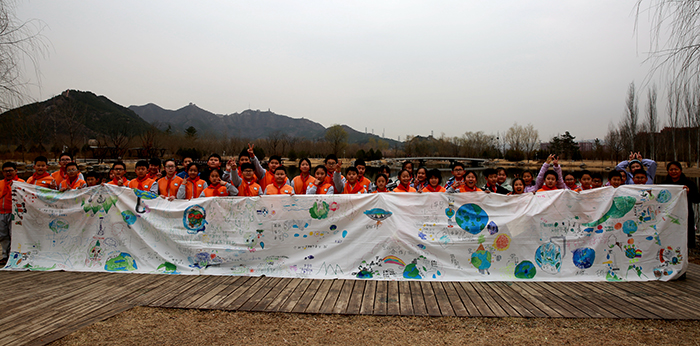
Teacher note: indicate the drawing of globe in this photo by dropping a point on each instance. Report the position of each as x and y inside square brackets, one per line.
[472, 218]
[481, 259]
[584, 257]
[663, 196]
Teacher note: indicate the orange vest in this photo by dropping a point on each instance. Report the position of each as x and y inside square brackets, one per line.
[143, 185]
[429, 188]
[300, 184]
[465, 188]
[329, 178]
[247, 189]
[357, 188]
[272, 189]
[43, 180]
[377, 190]
[217, 190]
[267, 179]
[545, 188]
[6, 198]
[193, 188]
[77, 184]
[320, 190]
[114, 182]
[59, 176]
[168, 187]
[365, 183]
[401, 188]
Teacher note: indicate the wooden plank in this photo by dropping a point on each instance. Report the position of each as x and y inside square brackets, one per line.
[330, 302]
[181, 284]
[320, 296]
[482, 290]
[219, 285]
[405, 301]
[343, 301]
[583, 303]
[443, 301]
[272, 294]
[225, 304]
[293, 300]
[419, 308]
[563, 300]
[188, 290]
[308, 295]
[269, 284]
[666, 307]
[561, 305]
[467, 292]
[468, 304]
[231, 284]
[249, 293]
[198, 291]
[355, 303]
[454, 300]
[380, 299]
[155, 289]
[542, 302]
[393, 307]
[516, 301]
[616, 301]
[431, 303]
[367, 307]
[284, 295]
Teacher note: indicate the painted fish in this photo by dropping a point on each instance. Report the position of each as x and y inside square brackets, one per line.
[378, 214]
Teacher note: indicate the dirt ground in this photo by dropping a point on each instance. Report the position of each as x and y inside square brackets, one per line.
[156, 326]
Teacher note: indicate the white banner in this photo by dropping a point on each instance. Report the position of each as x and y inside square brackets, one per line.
[633, 233]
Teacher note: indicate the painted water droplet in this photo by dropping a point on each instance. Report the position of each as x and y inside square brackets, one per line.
[345, 233]
[262, 245]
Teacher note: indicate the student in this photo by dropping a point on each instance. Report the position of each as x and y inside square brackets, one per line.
[408, 165]
[434, 181]
[614, 179]
[361, 169]
[332, 165]
[350, 184]
[92, 179]
[597, 180]
[380, 183]
[676, 177]
[117, 174]
[458, 175]
[550, 181]
[185, 162]
[636, 162]
[40, 177]
[623, 176]
[193, 186]
[467, 184]
[421, 179]
[518, 187]
[269, 176]
[61, 174]
[72, 181]
[9, 172]
[404, 182]
[167, 186]
[492, 182]
[213, 162]
[246, 156]
[528, 179]
[570, 182]
[552, 161]
[302, 181]
[142, 181]
[390, 184]
[501, 179]
[154, 169]
[218, 187]
[319, 185]
[586, 180]
[639, 177]
[246, 183]
[279, 185]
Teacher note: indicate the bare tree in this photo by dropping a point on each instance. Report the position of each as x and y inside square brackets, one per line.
[531, 139]
[631, 119]
[337, 138]
[514, 138]
[652, 120]
[674, 110]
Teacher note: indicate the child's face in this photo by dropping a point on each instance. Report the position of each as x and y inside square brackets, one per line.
[214, 162]
[623, 176]
[214, 177]
[64, 160]
[405, 178]
[304, 167]
[40, 167]
[272, 165]
[586, 180]
[141, 171]
[640, 179]
[330, 165]
[458, 172]
[193, 172]
[597, 182]
[501, 177]
[72, 172]
[635, 166]
[186, 161]
[381, 183]
[518, 187]
[434, 181]
[470, 180]
[9, 173]
[550, 181]
[569, 180]
[492, 179]
[320, 174]
[527, 177]
[420, 175]
[248, 174]
[361, 169]
[118, 171]
[351, 177]
[170, 168]
[153, 169]
[243, 159]
[615, 181]
[280, 177]
[91, 181]
[384, 171]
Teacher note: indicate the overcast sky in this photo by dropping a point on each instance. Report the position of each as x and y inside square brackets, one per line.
[406, 67]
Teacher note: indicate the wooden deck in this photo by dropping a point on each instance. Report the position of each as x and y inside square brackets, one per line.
[45, 306]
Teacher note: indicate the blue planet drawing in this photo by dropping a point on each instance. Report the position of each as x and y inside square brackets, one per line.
[629, 227]
[525, 270]
[492, 227]
[378, 214]
[584, 257]
[663, 196]
[129, 217]
[548, 257]
[472, 218]
[58, 225]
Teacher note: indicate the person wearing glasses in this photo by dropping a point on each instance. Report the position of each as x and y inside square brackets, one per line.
[167, 186]
[117, 174]
[61, 173]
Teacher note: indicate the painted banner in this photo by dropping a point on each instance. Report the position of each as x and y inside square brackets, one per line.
[633, 233]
